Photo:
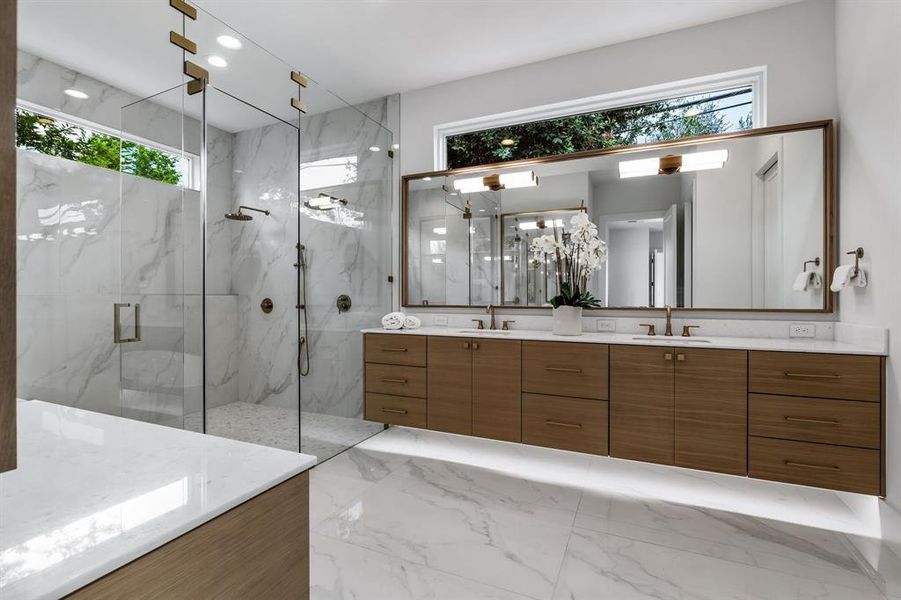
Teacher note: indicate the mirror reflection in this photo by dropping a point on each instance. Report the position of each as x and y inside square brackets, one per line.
[713, 223]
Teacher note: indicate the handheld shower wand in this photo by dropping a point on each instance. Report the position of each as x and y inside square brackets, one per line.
[304, 365]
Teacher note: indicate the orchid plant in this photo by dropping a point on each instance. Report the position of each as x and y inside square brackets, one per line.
[577, 253]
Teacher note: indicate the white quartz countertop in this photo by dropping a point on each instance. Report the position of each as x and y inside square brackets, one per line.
[637, 339]
[93, 492]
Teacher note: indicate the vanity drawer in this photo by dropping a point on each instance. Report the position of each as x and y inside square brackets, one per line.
[819, 465]
[577, 424]
[396, 410]
[396, 349]
[820, 375]
[571, 369]
[842, 422]
[397, 380]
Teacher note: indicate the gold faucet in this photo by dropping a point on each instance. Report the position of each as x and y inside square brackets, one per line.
[669, 321]
[490, 311]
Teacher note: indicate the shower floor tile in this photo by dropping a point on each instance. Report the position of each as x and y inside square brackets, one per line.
[323, 436]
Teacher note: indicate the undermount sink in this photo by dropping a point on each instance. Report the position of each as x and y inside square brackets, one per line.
[671, 340]
[484, 331]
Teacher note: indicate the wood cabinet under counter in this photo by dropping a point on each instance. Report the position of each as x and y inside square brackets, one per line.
[763, 413]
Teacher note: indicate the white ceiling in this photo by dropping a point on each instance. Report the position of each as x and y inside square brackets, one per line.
[359, 49]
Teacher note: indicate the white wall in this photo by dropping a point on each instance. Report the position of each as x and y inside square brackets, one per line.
[868, 57]
[795, 42]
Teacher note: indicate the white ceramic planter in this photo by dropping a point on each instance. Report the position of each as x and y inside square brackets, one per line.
[568, 320]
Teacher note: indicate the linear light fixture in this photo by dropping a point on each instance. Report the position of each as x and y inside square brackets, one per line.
[667, 165]
[493, 183]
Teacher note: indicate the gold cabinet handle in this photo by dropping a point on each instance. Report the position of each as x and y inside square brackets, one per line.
[466, 345]
[394, 411]
[475, 345]
[393, 380]
[791, 463]
[680, 357]
[811, 376]
[563, 424]
[563, 370]
[394, 349]
[810, 420]
[668, 356]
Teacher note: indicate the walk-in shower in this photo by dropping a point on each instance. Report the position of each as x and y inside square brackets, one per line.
[240, 334]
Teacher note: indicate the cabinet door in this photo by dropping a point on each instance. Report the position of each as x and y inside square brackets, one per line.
[641, 403]
[496, 389]
[712, 410]
[449, 405]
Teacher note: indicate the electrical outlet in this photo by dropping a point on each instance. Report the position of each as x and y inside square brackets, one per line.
[606, 325]
[802, 330]
[440, 319]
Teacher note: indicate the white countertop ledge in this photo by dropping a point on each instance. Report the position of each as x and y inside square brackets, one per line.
[93, 492]
[676, 341]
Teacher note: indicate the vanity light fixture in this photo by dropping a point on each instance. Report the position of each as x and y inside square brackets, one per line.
[530, 225]
[426, 178]
[217, 61]
[439, 230]
[673, 163]
[230, 42]
[76, 94]
[375, 149]
[494, 183]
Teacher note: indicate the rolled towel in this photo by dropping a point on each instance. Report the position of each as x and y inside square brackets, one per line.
[412, 322]
[842, 277]
[801, 281]
[393, 320]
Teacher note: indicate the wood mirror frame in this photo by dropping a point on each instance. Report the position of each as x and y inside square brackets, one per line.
[829, 226]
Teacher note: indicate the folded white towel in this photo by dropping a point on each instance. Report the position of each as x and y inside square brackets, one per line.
[842, 277]
[393, 320]
[801, 281]
[412, 322]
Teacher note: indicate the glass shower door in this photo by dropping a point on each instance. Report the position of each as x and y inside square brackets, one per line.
[159, 282]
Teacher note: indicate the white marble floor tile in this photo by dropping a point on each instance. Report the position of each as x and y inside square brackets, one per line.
[601, 566]
[516, 547]
[342, 571]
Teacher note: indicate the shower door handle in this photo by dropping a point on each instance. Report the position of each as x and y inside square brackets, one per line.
[117, 323]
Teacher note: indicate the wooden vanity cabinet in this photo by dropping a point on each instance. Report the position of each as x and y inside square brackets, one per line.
[474, 387]
[642, 403]
[680, 406]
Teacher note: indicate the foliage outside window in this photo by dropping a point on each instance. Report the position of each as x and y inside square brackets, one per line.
[65, 140]
[701, 114]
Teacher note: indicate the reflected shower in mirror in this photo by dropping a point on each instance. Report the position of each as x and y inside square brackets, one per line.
[731, 222]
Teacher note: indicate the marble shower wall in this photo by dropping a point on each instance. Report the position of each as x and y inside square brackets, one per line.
[348, 251]
[80, 249]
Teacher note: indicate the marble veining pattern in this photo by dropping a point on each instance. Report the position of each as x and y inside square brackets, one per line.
[419, 514]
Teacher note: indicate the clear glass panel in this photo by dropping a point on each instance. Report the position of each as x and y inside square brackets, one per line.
[252, 387]
[159, 291]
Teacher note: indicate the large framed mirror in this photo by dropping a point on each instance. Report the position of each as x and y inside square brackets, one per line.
[738, 221]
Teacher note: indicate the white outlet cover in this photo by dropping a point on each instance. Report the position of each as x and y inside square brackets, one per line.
[802, 330]
[440, 319]
[606, 325]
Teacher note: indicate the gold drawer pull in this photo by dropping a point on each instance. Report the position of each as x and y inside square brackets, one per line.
[563, 424]
[790, 463]
[811, 376]
[393, 380]
[563, 370]
[394, 411]
[809, 420]
[394, 349]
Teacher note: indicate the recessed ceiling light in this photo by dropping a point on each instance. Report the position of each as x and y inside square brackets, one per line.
[507, 142]
[76, 94]
[375, 149]
[227, 41]
[217, 61]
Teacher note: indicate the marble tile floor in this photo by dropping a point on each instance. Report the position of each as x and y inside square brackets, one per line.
[411, 514]
[323, 436]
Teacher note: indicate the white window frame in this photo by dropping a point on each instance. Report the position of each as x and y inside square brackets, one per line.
[193, 160]
[753, 77]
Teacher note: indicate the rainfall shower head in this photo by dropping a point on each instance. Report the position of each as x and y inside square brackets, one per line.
[240, 216]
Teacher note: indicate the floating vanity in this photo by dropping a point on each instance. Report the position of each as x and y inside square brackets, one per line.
[807, 412]
[106, 507]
